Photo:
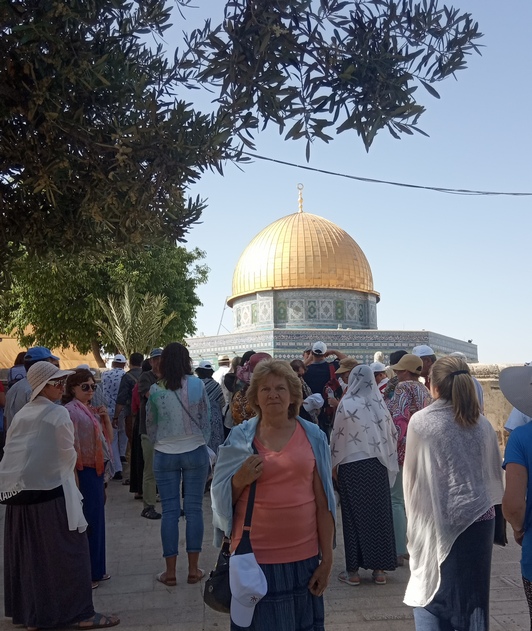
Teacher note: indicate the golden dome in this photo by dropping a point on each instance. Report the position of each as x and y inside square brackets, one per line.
[302, 251]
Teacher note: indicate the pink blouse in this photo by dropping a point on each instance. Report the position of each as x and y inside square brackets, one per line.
[89, 438]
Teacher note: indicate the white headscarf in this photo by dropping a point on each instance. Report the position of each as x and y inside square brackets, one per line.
[363, 427]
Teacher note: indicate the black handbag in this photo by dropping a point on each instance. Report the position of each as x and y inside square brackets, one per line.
[500, 538]
[217, 592]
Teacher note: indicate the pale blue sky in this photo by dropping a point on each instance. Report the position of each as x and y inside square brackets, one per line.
[457, 265]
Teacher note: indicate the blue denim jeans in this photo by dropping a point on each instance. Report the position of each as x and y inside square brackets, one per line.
[169, 469]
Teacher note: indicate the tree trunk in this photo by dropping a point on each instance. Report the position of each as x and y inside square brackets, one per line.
[96, 353]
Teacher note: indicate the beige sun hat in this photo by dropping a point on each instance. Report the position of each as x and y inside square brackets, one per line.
[346, 364]
[409, 362]
[41, 373]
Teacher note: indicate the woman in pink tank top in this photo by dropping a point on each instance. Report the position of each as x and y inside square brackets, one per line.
[292, 525]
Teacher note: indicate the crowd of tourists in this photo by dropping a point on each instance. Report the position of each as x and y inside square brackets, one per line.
[403, 450]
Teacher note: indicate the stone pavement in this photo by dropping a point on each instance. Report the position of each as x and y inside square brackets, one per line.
[134, 557]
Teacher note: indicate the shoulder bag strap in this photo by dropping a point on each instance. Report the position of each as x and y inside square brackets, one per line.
[244, 547]
[185, 409]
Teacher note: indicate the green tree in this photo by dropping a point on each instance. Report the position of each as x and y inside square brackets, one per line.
[55, 302]
[133, 322]
[100, 144]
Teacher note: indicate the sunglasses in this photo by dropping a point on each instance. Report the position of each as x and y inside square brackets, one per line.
[56, 383]
[86, 387]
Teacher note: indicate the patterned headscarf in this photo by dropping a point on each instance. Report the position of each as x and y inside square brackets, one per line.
[363, 427]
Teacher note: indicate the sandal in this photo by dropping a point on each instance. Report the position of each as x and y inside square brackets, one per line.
[192, 579]
[379, 577]
[349, 578]
[98, 621]
[169, 582]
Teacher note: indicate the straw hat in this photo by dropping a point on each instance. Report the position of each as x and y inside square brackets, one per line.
[41, 373]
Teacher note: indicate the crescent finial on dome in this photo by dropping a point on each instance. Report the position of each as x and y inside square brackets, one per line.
[300, 198]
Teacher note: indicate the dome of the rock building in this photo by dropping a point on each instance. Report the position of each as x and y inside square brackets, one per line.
[302, 251]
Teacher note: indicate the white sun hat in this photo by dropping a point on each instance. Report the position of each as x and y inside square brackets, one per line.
[41, 373]
[515, 383]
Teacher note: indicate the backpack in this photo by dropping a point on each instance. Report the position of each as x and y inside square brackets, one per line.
[333, 384]
[16, 373]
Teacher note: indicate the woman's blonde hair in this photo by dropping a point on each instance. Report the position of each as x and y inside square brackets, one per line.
[279, 368]
[452, 379]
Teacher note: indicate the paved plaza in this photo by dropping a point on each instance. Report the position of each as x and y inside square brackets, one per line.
[134, 557]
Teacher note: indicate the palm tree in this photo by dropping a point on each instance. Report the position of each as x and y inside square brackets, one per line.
[133, 322]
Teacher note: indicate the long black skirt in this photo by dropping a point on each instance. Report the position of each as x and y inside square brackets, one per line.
[47, 569]
[463, 598]
[367, 519]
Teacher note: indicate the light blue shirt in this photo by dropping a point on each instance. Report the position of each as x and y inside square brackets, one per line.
[516, 419]
[238, 447]
[16, 398]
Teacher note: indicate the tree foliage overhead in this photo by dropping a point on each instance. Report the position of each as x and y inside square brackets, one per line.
[100, 144]
[330, 64]
[55, 302]
[96, 146]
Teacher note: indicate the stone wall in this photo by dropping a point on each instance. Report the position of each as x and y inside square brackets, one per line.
[496, 407]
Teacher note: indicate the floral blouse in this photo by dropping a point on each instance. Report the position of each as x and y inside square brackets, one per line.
[408, 397]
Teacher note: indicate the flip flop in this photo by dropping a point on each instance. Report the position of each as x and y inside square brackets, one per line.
[349, 578]
[98, 621]
[169, 582]
[191, 580]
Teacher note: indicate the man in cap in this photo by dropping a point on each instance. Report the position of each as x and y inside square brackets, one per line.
[149, 487]
[379, 372]
[224, 364]
[110, 385]
[319, 374]
[428, 357]
[19, 394]
[389, 390]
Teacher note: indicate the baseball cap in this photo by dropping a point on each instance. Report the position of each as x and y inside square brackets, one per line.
[409, 362]
[119, 359]
[156, 352]
[319, 348]
[41, 373]
[205, 363]
[422, 350]
[248, 586]
[313, 402]
[39, 353]
[346, 364]
[377, 367]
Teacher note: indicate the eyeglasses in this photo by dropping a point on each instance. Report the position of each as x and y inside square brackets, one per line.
[88, 386]
[56, 383]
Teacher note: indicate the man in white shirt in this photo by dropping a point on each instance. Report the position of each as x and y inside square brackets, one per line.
[224, 364]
